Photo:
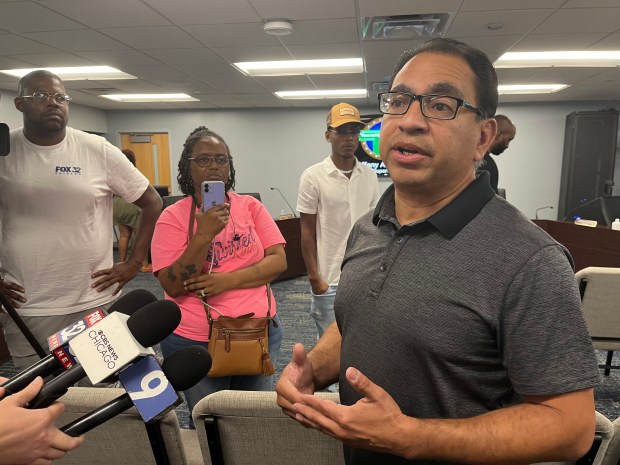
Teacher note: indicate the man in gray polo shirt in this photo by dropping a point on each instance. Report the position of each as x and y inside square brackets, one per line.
[445, 353]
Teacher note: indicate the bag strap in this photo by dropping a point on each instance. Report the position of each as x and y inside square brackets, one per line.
[207, 307]
[192, 218]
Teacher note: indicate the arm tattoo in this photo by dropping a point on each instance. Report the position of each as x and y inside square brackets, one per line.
[171, 276]
[189, 271]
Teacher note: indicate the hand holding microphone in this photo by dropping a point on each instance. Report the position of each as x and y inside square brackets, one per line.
[28, 436]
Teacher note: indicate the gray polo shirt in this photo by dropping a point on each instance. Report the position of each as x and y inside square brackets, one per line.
[462, 313]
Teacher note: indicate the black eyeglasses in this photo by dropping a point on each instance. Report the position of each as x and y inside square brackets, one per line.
[203, 161]
[432, 106]
[43, 97]
[345, 132]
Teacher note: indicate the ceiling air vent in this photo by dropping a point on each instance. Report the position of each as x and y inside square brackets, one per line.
[403, 27]
[380, 86]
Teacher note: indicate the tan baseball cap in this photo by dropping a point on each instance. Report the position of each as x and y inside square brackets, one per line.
[343, 113]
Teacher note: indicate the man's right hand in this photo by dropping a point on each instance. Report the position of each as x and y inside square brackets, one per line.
[13, 293]
[297, 379]
[319, 286]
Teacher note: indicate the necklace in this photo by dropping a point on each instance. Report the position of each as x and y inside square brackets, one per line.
[346, 172]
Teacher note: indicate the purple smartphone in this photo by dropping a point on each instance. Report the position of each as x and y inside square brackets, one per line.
[213, 193]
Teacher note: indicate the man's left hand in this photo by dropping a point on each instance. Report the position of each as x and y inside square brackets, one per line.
[120, 273]
[374, 422]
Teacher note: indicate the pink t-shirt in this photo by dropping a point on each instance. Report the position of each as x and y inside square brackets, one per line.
[255, 231]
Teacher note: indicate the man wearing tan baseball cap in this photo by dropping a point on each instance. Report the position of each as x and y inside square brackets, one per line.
[333, 194]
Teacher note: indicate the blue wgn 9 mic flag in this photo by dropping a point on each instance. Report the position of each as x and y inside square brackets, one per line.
[149, 389]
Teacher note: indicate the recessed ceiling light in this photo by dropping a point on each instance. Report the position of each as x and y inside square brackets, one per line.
[76, 73]
[299, 67]
[530, 88]
[317, 94]
[137, 98]
[562, 59]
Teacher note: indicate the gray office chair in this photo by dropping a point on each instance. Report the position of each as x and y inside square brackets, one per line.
[125, 440]
[248, 427]
[605, 449]
[170, 199]
[256, 195]
[600, 300]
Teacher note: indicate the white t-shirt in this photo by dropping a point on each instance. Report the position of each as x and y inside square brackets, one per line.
[338, 202]
[56, 218]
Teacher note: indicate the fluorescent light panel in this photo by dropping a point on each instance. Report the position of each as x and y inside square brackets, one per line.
[138, 98]
[317, 94]
[598, 59]
[76, 73]
[530, 88]
[300, 67]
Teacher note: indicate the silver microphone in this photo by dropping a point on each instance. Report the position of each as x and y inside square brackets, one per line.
[282, 195]
[543, 208]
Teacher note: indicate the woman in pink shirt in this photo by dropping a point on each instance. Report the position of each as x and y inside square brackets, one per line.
[232, 252]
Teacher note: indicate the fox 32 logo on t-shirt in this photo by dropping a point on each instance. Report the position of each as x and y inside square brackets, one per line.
[73, 170]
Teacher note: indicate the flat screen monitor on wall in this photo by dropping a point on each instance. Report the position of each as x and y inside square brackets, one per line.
[368, 150]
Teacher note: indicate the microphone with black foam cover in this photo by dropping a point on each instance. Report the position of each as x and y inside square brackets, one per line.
[112, 344]
[60, 359]
[183, 369]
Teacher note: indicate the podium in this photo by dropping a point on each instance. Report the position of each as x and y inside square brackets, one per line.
[291, 230]
[599, 246]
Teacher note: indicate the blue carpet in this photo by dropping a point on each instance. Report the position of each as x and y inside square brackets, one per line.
[293, 299]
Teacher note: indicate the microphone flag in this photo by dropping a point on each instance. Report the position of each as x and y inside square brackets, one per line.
[149, 389]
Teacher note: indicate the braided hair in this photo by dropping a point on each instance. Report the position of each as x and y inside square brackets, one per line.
[184, 178]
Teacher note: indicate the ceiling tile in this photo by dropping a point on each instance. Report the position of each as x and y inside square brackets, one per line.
[570, 41]
[29, 16]
[119, 58]
[611, 42]
[148, 38]
[262, 53]
[239, 84]
[323, 32]
[112, 13]
[485, 5]
[590, 3]
[326, 51]
[515, 22]
[581, 20]
[76, 41]
[339, 81]
[298, 10]
[205, 12]
[47, 60]
[223, 70]
[15, 45]
[231, 35]
[185, 56]
[276, 83]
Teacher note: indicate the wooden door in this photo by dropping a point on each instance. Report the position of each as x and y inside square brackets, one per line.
[152, 155]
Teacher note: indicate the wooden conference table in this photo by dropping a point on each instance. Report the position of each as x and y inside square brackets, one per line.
[599, 246]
